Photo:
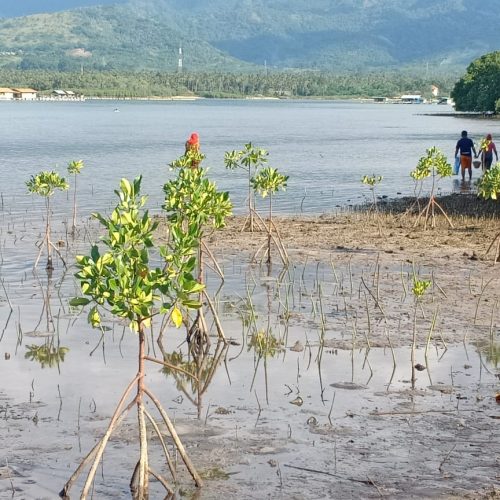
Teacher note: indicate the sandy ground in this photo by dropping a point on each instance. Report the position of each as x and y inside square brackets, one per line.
[390, 231]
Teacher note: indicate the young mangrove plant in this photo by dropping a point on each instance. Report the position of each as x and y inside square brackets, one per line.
[488, 187]
[250, 159]
[74, 168]
[435, 165]
[190, 159]
[419, 288]
[372, 182]
[122, 282]
[194, 205]
[45, 184]
[267, 182]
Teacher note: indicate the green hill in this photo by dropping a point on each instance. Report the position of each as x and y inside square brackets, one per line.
[103, 38]
[230, 35]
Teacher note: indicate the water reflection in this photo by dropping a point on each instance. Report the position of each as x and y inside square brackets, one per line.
[194, 372]
[46, 317]
[47, 355]
[460, 186]
[491, 351]
[265, 344]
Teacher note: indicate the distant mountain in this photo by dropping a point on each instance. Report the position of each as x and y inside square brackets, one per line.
[341, 35]
[103, 38]
[18, 8]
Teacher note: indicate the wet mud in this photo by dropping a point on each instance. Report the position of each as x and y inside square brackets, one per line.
[312, 398]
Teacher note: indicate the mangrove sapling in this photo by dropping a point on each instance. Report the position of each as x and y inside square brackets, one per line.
[45, 184]
[418, 290]
[74, 168]
[250, 159]
[122, 283]
[372, 182]
[436, 166]
[193, 203]
[267, 182]
[191, 159]
[265, 345]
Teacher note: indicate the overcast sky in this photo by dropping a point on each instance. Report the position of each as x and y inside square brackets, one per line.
[14, 8]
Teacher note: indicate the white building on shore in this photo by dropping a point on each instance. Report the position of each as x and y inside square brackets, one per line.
[17, 94]
[28, 94]
[6, 94]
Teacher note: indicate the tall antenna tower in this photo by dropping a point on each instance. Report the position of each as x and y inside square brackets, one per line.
[179, 64]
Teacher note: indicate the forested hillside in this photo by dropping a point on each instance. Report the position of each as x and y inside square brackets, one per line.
[224, 84]
[237, 35]
[103, 38]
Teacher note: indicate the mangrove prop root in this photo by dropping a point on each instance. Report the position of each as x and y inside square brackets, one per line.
[164, 446]
[429, 207]
[133, 480]
[496, 240]
[171, 429]
[143, 462]
[58, 253]
[98, 449]
[163, 481]
[171, 367]
[213, 259]
[218, 325]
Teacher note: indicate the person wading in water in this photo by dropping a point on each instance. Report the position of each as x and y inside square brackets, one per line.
[465, 146]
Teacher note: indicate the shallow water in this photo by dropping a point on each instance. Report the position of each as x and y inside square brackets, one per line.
[324, 146]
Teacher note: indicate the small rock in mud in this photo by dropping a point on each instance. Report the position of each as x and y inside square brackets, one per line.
[419, 367]
[444, 389]
[298, 401]
[348, 385]
[297, 347]
[272, 462]
[222, 411]
[7, 472]
[312, 421]
[7, 355]
[265, 450]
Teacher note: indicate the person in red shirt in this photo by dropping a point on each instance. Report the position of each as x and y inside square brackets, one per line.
[193, 144]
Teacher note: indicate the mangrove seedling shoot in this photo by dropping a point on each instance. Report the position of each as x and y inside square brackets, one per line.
[45, 184]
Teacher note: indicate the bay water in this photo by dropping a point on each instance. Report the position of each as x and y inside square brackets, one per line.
[325, 147]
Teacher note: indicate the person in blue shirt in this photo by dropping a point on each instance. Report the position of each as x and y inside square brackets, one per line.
[465, 146]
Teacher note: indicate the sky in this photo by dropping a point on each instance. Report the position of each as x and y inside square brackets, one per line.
[15, 8]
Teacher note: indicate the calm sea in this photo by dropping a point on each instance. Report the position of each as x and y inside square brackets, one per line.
[324, 146]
